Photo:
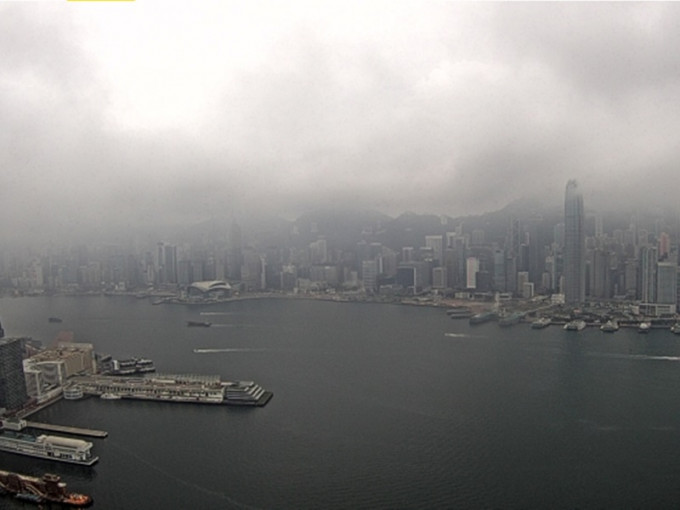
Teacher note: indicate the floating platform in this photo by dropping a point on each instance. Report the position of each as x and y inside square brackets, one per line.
[77, 431]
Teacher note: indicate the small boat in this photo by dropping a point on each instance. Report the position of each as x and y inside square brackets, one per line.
[541, 322]
[199, 324]
[54, 319]
[576, 325]
[675, 328]
[644, 327]
[610, 326]
[110, 396]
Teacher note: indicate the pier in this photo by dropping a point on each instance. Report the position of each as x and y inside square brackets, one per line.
[68, 430]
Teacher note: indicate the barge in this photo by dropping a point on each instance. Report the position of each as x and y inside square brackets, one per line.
[47, 489]
[57, 448]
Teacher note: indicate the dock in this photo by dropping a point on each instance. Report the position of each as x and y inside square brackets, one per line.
[67, 430]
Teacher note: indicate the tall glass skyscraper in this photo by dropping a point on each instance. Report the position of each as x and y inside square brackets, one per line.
[574, 246]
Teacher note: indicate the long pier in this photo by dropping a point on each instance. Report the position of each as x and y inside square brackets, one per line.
[68, 430]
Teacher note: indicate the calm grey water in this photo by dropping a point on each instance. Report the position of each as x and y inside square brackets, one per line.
[375, 406]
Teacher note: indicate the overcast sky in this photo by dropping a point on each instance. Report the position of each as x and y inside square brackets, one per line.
[147, 111]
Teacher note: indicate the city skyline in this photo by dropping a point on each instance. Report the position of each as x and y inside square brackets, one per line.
[147, 114]
[521, 253]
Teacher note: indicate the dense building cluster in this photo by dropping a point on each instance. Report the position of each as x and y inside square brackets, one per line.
[572, 259]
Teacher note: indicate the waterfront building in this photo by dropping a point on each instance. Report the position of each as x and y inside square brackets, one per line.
[13, 393]
[574, 246]
[667, 283]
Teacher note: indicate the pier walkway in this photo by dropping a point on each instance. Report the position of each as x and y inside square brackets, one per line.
[68, 430]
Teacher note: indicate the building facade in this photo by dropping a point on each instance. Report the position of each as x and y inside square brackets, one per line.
[12, 382]
[574, 246]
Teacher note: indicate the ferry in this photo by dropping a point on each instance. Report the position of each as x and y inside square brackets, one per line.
[60, 449]
[576, 325]
[610, 326]
[541, 322]
[110, 396]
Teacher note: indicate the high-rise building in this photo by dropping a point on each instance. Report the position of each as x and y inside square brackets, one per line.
[648, 279]
[574, 246]
[667, 283]
[12, 382]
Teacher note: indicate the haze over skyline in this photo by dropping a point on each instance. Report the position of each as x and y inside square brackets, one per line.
[146, 112]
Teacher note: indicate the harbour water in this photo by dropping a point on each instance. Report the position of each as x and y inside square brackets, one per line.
[375, 406]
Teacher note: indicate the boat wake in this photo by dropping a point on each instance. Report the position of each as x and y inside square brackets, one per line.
[461, 335]
[635, 356]
[235, 349]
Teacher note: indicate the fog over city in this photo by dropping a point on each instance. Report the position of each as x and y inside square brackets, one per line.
[119, 115]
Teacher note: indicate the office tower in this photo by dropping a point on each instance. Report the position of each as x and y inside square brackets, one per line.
[499, 282]
[369, 275]
[664, 246]
[648, 265]
[436, 244]
[12, 382]
[599, 274]
[574, 246]
[667, 283]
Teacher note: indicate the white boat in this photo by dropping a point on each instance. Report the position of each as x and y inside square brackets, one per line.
[644, 327]
[675, 328]
[110, 396]
[62, 449]
[609, 326]
[576, 325]
[540, 323]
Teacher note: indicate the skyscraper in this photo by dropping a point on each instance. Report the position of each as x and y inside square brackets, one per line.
[12, 382]
[574, 246]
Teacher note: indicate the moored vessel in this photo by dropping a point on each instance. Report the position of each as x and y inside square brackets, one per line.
[541, 322]
[459, 312]
[110, 396]
[510, 320]
[610, 326]
[47, 489]
[644, 327]
[60, 449]
[575, 325]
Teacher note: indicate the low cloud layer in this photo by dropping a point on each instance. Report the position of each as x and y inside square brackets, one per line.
[167, 112]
